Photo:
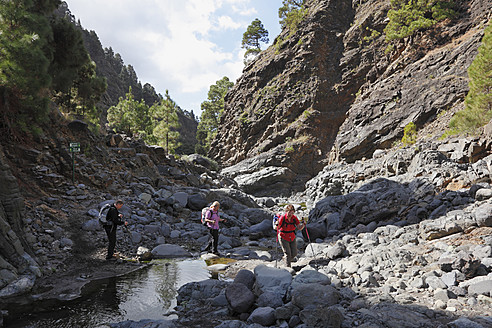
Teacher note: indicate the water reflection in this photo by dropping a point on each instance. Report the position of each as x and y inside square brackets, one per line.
[146, 294]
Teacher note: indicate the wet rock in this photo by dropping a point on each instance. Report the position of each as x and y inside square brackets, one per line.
[169, 251]
[145, 323]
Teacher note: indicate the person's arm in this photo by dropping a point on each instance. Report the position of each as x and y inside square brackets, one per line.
[299, 224]
[115, 216]
[208, 217]
[280, 222]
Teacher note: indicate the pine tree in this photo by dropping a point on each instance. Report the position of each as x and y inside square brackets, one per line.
[255, 33]
[478, 102]
[211, 112]
[166, 123]
[130, 116]
[24, 61]
[292, 13]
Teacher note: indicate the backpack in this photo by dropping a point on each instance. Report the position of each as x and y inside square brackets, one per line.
[102, 215]
[204, 213]
[276, 217]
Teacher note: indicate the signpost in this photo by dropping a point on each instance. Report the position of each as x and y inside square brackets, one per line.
[74, 148]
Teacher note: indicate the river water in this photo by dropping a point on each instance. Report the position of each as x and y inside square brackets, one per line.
[145, 294]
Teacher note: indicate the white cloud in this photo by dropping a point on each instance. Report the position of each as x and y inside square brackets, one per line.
[180, 45]
[226, 22]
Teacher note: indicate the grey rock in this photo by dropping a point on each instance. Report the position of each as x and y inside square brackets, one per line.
[464, 323]
[181, 198]
[240, 297]
[481, 288]
[483, 215]
[310, 276]
[269, 299]
[434, 283]
[246, 278]
[483, 194]
[271, 279]
[264, 316]
[322, 316]
[264, 228]
[91, 225]
[314, 294]
[449, 278]
[286, 311]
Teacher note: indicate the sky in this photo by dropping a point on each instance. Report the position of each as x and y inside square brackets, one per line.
[184, 46]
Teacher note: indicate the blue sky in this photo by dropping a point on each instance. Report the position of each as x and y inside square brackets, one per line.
[184, 46]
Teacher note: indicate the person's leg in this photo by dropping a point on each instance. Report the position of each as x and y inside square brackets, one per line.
[287, 251]
[210, 241]
[293, 249]
[111, 232]
[215, 238]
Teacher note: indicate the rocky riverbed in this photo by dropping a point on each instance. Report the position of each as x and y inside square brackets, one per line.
[398, 240]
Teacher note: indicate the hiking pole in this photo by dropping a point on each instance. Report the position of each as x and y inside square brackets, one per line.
[276, 250]
[275, 226]
[309, 239]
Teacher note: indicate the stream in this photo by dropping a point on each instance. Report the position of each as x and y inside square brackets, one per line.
[144, 294]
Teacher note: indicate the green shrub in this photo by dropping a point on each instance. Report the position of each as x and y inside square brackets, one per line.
[409, 134]
[408, 16]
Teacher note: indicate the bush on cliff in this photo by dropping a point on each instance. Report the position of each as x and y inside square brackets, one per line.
[408, 16]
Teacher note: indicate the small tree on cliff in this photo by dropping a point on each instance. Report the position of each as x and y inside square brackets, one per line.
[478, 102]
[254, 34]
[211, 111]
[292, 13]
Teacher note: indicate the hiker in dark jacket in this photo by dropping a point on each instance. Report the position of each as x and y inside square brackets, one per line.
[114, 220]
[286, 233]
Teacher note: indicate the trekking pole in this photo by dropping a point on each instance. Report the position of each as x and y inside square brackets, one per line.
[275, 226]
[276, 250]
[309, 239]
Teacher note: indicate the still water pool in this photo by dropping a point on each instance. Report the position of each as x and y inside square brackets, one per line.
[146, 294]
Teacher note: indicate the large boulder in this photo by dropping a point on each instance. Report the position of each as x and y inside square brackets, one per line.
[165, 251]
[272, 280]
[314, 294]
[239, 297]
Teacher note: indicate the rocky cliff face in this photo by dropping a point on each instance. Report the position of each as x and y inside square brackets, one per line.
[329, 91]
[15, 262]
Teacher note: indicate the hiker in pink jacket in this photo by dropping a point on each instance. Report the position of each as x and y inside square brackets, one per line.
[212, 218]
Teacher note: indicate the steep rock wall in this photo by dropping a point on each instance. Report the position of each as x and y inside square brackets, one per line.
[285, 104]
[331, 91]
[414, 83]
[14, 260]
